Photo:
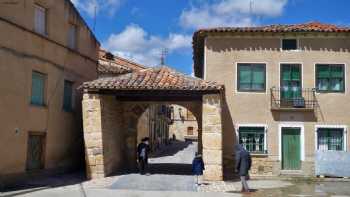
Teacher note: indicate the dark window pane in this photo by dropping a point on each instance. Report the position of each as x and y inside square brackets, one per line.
[289, 44]
[67, 95]
[38, 88]
[330, 139]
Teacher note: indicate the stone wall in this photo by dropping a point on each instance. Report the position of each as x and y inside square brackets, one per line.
[110, 134]
[261, 166]
[212, 137]
[93, 136]
[113, 136]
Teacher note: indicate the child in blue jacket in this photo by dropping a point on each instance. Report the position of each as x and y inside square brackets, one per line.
[198, 166]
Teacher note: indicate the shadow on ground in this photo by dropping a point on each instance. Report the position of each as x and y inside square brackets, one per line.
[171, 149]
[42, 183]
[170, 168]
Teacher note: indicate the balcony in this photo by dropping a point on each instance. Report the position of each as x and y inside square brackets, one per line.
[283, 99]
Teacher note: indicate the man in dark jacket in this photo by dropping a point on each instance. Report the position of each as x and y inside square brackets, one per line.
[243, 164]
[142, 155]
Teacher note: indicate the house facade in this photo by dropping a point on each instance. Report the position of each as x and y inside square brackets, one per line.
[286, 92]
[46, 52]
[183, 125]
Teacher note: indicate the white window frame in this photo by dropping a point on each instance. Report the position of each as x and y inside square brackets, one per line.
[302, 141]
[345, 131]
[254, 125]
[38, 29]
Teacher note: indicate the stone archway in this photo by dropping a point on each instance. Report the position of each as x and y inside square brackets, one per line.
[110, 135]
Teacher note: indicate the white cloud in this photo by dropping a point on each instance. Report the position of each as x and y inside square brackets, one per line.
[89, 6]
[230, 13]
[136, 44]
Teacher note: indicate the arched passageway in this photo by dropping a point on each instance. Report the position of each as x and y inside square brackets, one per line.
[112, 107]
[173, 135]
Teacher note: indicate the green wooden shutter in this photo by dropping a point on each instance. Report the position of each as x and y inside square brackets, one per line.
[258, 78]
[38, 88]
[67, 95]
[244, 77]
[337, 78]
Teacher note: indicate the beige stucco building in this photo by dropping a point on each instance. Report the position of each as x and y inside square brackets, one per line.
[286, 92]
[46, 52]
[183, 125]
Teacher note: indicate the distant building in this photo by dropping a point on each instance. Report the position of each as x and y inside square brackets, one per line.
[183, 125]
[46, 52]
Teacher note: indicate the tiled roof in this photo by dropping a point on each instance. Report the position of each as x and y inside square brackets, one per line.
[311, 27]
[111, 64]
[305, 27]
[156, 78]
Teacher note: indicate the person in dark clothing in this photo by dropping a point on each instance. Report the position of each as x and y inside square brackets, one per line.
[143, 150]
[198, 166]
[243, 165]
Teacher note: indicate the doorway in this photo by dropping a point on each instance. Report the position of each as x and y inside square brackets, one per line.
[291, 148]
[35, 151]
[291, 84]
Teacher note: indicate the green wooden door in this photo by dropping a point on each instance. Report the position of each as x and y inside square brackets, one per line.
[35, 152]
[290, 83]
[291, 148]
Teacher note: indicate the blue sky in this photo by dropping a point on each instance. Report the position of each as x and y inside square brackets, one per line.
[140, 29]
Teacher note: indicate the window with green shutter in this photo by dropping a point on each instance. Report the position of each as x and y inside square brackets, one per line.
[251, 77]
[330, 78]
[38, 89]
[330, 139]
[252, 139]
[68, 96]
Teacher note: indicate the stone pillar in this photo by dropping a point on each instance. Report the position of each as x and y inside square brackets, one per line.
[212, 137]
[92, 123]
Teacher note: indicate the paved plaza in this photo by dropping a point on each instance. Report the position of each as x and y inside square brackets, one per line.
[170, 177]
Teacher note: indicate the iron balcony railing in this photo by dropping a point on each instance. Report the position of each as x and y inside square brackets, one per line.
[293, 98]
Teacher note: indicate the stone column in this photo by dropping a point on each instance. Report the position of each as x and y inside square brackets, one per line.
[92, 123]
[212, 137]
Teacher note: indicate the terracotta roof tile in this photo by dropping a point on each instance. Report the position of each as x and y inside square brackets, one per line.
[305, 27]
[156, 78]
[111, 64]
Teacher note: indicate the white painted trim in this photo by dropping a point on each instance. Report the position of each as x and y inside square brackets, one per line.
[205, 59]
[345, 131]
[289, 37]
[345, 78]
[302, 141]
[253, 92]
[253, 125]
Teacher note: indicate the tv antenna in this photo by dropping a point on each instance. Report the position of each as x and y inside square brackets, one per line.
[163, 55]
[251, 8]
[95, 15]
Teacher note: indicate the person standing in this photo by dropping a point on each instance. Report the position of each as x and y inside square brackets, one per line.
[198, 166]
[143, 150]
[243, 165]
